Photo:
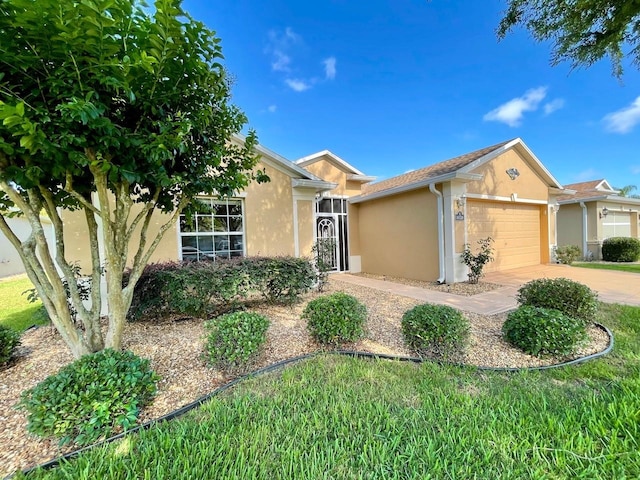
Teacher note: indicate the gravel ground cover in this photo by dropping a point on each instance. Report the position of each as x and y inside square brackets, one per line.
[175, 346]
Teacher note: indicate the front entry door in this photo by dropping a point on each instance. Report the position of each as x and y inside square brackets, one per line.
[327, 237]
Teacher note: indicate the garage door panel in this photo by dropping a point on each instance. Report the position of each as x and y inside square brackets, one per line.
[515, 230]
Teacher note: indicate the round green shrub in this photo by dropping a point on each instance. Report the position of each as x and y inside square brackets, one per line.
[335, 319]
[543, 331]
[567, 254]
[436, 331]
[621, 249]
[234, 339]
[9, 340]
[571, 298]
[90, 398]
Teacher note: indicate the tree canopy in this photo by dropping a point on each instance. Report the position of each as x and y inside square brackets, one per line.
[117, 110]
[582, 31]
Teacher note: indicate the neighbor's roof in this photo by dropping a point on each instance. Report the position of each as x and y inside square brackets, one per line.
[593, 190]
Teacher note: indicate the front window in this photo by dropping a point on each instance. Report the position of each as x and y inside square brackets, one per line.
[216, 231]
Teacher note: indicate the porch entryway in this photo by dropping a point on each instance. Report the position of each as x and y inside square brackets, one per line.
[332, 230]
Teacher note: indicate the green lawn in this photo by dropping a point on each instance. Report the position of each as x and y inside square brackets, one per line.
[15, 310]
[623, 267]
[343, 418]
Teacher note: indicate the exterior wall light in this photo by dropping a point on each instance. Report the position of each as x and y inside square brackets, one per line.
[513, 173]
[604, 212]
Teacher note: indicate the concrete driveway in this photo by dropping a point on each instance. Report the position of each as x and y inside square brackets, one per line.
[612, 286]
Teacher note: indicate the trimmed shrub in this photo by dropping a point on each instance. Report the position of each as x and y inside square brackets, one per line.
[9, 340]
[543, 331]
[571, 298]
[437, 331]
[335, 319]
[234, 339]
[201, 289]
[567, 254]
[621, 249]
[91, 398]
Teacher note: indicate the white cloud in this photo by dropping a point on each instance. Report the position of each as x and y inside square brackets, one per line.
[553, 105]
[586, 175]
[279, 45]
[330, 68]
[625, 119]
[272, 108]
[512, 112]
[297, 85]
[280, 62]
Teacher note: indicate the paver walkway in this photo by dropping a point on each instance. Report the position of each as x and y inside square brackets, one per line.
[612, 287]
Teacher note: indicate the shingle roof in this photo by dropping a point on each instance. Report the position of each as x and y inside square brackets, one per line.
[432, 171]
[584, 186]
[585, 190]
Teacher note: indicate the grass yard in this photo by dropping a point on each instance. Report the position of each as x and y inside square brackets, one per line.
[623, 267]
[336, 417]
[15, 310]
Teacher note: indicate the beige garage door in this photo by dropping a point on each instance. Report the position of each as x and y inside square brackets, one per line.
[515, 230]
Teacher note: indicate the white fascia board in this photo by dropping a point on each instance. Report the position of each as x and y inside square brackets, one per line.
[414, 186]
[606, 186]
[360, 178]
[318, 185]
[517, 142]
[278, 162]
[604, 198]
[498, 198]
[332, 156]
[581, 200]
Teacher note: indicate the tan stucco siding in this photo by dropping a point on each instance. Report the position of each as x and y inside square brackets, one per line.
[269, 216]
[353, 216]
[76, 239]
[398, 236]
[305, 227]
[496, 182]
[328, 172]
[515, 229]
[570, 225]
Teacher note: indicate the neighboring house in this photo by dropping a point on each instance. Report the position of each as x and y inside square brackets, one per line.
[414, 225]
[10, 261]
[594, 213]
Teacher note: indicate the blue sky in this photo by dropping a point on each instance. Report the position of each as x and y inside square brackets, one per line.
[391, 86]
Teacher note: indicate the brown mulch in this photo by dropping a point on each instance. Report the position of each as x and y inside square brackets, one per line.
[460, 288]
[175, 347]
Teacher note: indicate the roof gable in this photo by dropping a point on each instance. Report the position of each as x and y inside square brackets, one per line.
[462, 165]
[332, 158]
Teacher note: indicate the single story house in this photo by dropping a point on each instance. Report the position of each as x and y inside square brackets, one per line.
[414, 225]
[592, 212]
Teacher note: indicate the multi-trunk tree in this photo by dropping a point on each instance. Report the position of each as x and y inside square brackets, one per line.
[119, 111]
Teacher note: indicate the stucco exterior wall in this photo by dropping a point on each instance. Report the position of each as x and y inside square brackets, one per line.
[327, 171]
[496, 182]
[398, 235]
[269, 216]
[10, 261]
[305, 227]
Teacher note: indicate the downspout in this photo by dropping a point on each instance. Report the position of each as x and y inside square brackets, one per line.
[439, 202]
[584, 230]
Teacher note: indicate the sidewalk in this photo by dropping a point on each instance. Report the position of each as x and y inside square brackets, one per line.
[490, 303]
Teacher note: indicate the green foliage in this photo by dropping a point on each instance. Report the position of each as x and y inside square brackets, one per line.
[477, 262]
[9, 340]
[124, 101]
[335, 319]
[543, 331]
[17, 312]
[582, 33]
[571, 298]
[200, 289]
[621, 249]
[323, 251]
[234, 339]
[567, 254]
[91, 398]
[438, 331]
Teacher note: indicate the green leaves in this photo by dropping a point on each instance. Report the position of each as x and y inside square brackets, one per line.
[9, 340]
[335, 319]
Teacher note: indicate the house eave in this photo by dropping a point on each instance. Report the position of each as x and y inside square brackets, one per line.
[352, 177]
[317, 185]
[458, 175]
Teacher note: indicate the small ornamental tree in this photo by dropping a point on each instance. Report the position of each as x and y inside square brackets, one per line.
[476, 262]
[120, 112]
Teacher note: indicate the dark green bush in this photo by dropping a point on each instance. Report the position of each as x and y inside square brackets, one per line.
[9, 340]
[571, 298]
[437, 331]
[91, 398]
[567, 254]
[335, 319]
[234, 339]
[200, 289]
[621, 249]
[543, 331]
